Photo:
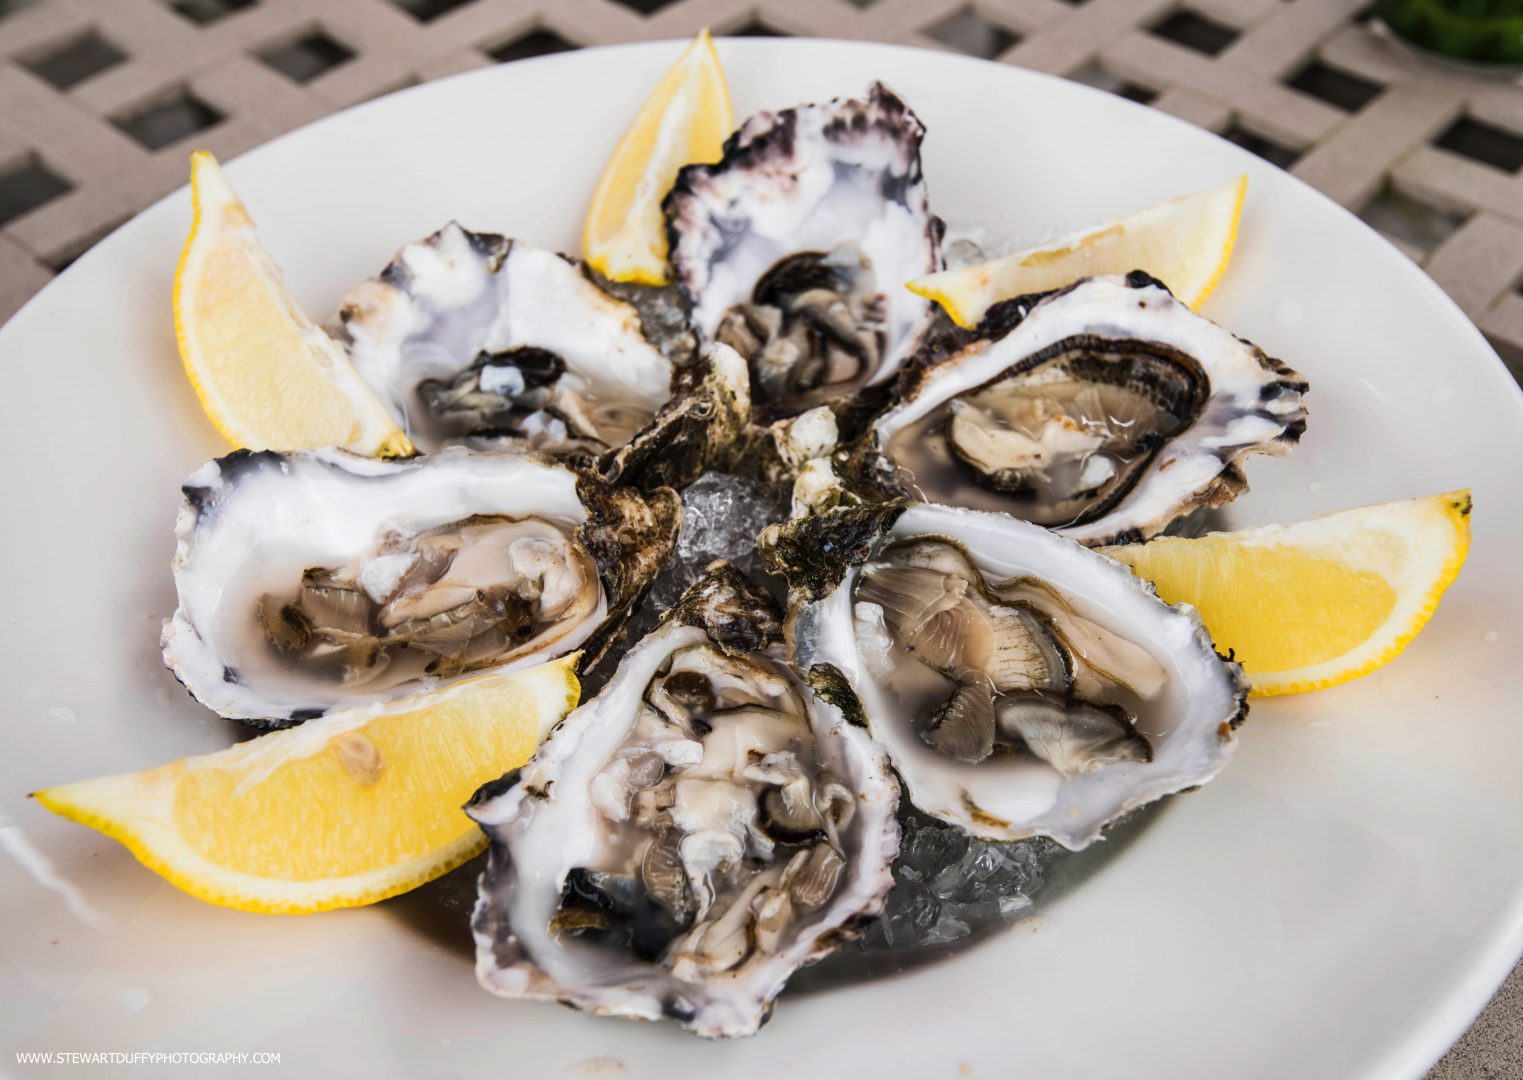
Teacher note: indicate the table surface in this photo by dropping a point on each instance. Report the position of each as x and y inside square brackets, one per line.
[101, 99]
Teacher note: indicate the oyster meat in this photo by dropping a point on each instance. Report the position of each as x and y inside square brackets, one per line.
[315, 579]
[1104, 411]
[685, 840]
[1022, 684]
[795, 248]
[475, 337]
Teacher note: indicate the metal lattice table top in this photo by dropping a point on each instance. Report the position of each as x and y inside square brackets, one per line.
[100, 100]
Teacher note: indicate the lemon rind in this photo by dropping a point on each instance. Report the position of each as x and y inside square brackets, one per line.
[1229, 245]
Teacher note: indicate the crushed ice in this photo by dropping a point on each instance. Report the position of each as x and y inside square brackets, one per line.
[948, 886]
[721, 517]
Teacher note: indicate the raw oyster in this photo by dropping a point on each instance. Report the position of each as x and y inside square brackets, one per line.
[795, 247]
[1103, 411]
[475, 337]
[314, 579]
[1022, 684]
[685, 840]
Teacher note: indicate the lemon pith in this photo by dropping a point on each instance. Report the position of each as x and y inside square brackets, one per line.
[1320, 602]
[685, 120]
[344, 810]
[1186, 243]
[265, 375]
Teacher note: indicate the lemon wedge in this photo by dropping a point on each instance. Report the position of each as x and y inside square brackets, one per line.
[347, 809]
[266, 376]
[1186, 243]
[1320, 602]
[685, 120]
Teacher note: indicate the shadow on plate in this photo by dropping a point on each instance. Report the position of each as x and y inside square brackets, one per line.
[440, 912]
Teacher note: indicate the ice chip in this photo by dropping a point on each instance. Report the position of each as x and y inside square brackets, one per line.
[911, 912]
[721, 516]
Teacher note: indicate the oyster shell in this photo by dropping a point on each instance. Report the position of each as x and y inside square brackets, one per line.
[1022, 684]
[795, 247]
[1104, 411]
[701, 428]
[474, 337]
[685, 840]
[315, 579]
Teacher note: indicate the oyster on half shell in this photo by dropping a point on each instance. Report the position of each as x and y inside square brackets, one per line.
[1103, 411]
[688, 838]
[478, 339]
[795, 248]
[321, 578]
[1022, 684]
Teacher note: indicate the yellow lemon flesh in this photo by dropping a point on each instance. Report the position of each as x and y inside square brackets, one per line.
[266, 376]
[685, 120]
[1186, 243]
[1318, 603]
[344, 810]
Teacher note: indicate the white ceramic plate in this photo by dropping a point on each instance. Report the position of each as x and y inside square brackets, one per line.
[1338, 904]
